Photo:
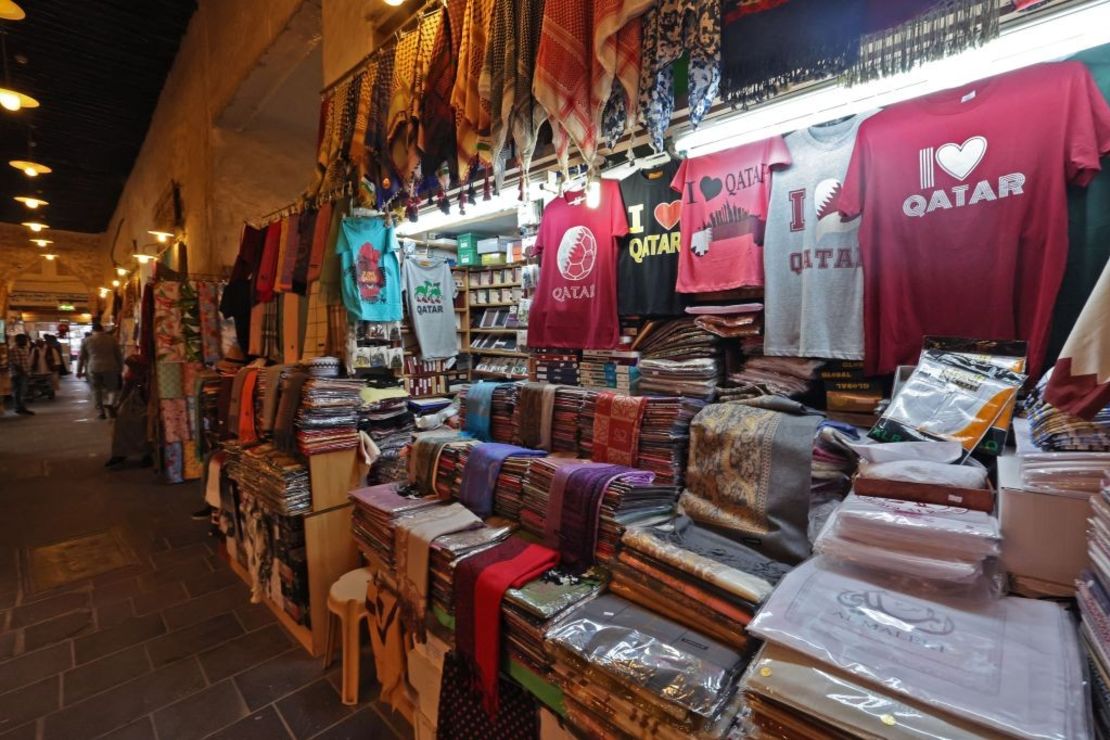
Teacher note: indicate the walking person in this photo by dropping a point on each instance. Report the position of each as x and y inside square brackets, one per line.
[129, 429]
[19, 362]
[102, 360]
[55, 360]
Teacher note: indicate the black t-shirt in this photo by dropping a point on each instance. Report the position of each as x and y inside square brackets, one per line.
[647, 268]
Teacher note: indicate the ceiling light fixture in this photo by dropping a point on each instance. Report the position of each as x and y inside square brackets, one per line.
[121, 271]
[115, 283]
[11, 99]
[35, 226]
[31, 169]
[142, 258]
[31, 202]
[394, 3]
[10, 11]
[41, 242]
[161, 236]
[50, 257]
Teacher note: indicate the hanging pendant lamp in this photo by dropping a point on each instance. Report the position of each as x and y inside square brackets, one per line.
[10, 11]
[30, 201]
[10, 98]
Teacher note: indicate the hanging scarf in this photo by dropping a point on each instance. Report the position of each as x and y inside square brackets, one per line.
[473, 112]
[267, 268]
[479, 477]
[357, 151]
[436, 137]
[481, 581]
[671, 29]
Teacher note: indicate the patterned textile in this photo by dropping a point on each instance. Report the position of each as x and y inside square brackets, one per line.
[208, 302]
[267, 268]
[169, 336]
[306, 232]
[617, 423]
[189, 306]
[479, 404]
[248, 426]
[290, 244]
[271, 341]
[620, 110]
[316, 328]
[398, 119]
[175, 420]
[338, 331]
[436, 137]
[357, 151]
[749, 477]
[404, 124]
[578, 524]
[173, 469]
[171, 379]
[472, 111]
[191, 461]
[376, 135]
[1080, 382]
[319, 242]
[579, 55]
[387, 638]
[496, 83]
[479, 477]
[461, 716]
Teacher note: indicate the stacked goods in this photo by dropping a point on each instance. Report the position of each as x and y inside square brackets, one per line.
[608, 370]
[452, 460]
[328, 417]
[536, 488]
[625, 505]
[375, 515]
[558, 366]
[529, 611]
[508, 493]
[278, 480]
[701, 579]
[1094, 606]
[1055, 430]
[697, 378]
[445, 554]
[564, 424]
[776, 376]
[386, 418]
[501, 407]
[679, 339]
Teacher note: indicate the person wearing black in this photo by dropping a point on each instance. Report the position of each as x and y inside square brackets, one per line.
[19, 363]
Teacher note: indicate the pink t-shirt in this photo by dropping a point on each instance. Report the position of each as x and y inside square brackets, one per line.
[963, 195]
[575, 304]
[724, 207]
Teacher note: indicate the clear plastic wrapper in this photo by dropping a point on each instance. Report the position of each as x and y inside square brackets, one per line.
[1011, 664]
[644, 650]
[783, 686]
[1068, 471]
[924, 471]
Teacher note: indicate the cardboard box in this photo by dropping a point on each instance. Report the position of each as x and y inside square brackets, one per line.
[978, 499]
[489, 245]
[1044, 535]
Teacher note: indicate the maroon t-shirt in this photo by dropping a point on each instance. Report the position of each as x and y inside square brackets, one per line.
[963, 194]
[575, 304]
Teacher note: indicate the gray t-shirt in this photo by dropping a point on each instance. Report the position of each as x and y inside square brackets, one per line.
[814, 281]
[430, 291]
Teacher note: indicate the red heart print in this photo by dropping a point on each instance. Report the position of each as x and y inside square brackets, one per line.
[668, 214]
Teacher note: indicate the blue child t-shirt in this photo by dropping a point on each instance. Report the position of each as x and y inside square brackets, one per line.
[371, 273]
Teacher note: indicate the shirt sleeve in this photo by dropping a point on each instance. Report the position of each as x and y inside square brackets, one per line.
[679, 180]
[617, 215]
[850, 202]
[1088, 128]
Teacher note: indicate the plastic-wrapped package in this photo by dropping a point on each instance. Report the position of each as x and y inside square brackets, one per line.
[1011, 665]
[784, 686]
[650, 653]
[949, 397]
[924, 471]
[1070, 471]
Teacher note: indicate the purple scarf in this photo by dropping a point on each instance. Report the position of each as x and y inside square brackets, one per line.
[555, 496]
[582, 509]
[480, 474]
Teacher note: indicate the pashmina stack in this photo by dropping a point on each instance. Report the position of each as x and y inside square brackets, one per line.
[279, 481]
[679, 339]
[1094, 606]
[534, 415]
[564, 419]
[538, 481]
[693, 378]
[424, 460]
[960, 659]
[529, 611]
[508, 493]
[388, 421]
[477, 405]
[447, 552]
[479, 476]
[328, 418]
[480, 584]
[616, 433]
[749, 477]
[449, 470]
[376, 511]
[628, 503]
[576, 526]
[699, 578]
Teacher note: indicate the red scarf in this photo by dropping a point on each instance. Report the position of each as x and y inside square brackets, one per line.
[247, 429]
[267, 270]
[480, 582]
[617, 421]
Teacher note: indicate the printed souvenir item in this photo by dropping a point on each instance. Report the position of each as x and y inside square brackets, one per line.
[431, 292]
[647, 268]
[371, 279]
[724, 206]
[814, 284]
[576, 300]
[939, 177]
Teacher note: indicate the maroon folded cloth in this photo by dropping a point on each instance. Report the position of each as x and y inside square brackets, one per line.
[582, 509]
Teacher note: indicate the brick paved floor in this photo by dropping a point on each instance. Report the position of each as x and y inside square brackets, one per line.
[167, 648]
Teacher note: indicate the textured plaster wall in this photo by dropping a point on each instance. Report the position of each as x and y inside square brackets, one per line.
[348, 34]
[223, 44]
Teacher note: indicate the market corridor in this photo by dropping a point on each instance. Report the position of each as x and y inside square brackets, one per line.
[118, 619]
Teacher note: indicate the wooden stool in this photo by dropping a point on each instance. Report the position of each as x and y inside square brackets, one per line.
[347, 601]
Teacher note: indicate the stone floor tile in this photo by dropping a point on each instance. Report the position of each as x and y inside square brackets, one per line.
[123, 588]
[140, 729]
[278, 677]
[365, 723]
[180, 555]
[39, 611]
[244, 652]
[29, 731]
[207, 606]
[312, 710]
[111, 615]
[208, 582]
[262, 725]
[99, 675]
[202, 713]
[57, 629]
[253, 616]
[180, 643]
[105, 641]
[7, 644]
[125, 703]
[160, 597]
[190, 568]
[35, 666]
[29, 702]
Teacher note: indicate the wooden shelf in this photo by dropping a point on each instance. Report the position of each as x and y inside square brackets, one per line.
[498, 330]
[513, 284]
[496, 352]
[499, 304]
[493, 374]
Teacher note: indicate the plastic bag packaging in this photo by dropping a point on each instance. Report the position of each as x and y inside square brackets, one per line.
[1069, 471]
[948, 397]
[923, 471]
[785, 687]
[644, 650]
[1011, 665]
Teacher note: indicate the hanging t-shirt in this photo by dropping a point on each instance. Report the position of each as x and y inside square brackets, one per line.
[813, 302]
[575, 304]
[964, 202]
[371, 277]
[647, 268]
[724, 205]
[431, 290]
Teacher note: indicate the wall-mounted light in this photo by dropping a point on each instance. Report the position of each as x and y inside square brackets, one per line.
[103, 291]
[121, 271]
[31, 169]
[35, 226]
[66, 307]
[161, 236]
[115, 283]
[142, 258]
[41, 242]
[30, 201]
[50, 257]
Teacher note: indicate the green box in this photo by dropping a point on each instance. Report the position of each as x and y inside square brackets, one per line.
[468, 250]
[493, 259]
